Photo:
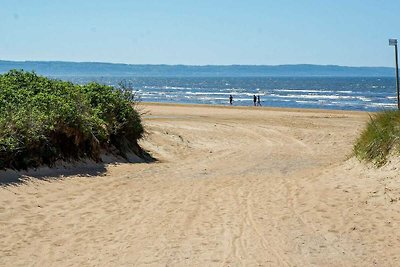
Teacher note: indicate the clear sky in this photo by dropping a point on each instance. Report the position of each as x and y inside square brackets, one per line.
[201, 32]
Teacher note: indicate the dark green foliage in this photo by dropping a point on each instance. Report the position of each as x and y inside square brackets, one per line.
[43, 120]
[379, 138]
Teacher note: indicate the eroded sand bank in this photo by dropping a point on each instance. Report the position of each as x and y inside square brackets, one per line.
[233, 187]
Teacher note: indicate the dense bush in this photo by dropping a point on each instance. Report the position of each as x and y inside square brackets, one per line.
[44, 120]
[380, 138]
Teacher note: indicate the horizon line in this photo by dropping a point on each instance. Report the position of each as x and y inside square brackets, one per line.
[194, 65]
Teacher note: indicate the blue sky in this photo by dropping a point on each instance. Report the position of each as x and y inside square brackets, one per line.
[270, 32]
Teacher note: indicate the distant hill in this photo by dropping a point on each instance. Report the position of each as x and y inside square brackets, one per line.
[60, 68]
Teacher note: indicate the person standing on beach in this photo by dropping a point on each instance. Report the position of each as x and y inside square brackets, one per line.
[230, 99]
[258, 101]
[255, 100]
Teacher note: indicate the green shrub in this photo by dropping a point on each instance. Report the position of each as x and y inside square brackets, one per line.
[44, 120]
[380, 138]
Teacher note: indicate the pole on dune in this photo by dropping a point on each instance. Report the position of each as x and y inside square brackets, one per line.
[393, 42]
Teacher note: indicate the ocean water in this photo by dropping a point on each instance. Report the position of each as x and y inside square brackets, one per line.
[343, 93]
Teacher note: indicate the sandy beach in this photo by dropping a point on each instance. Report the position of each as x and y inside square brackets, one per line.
[232, 186]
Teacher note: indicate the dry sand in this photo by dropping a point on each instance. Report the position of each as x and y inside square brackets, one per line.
[233, 187]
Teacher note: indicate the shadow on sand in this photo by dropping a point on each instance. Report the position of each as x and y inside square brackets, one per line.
[62, 170]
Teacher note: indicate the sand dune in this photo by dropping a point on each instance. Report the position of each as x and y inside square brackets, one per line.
[233, 187]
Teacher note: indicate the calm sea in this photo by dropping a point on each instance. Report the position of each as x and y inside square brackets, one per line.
[368, 94]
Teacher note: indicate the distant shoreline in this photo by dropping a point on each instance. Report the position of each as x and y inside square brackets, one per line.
[64, 68]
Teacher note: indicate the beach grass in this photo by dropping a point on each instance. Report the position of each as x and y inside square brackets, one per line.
[380, 138]
[44, 120]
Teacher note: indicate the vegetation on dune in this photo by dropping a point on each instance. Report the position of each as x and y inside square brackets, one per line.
[44, 120]
[380, 138]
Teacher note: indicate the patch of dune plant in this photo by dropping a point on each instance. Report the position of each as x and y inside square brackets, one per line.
[380, 138]
[44, 120]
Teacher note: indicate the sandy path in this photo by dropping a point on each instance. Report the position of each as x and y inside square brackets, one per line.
[234, 187]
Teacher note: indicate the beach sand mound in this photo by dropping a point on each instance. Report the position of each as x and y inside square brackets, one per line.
[233, 186]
